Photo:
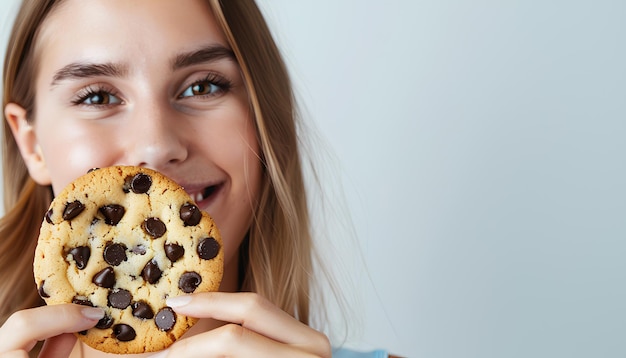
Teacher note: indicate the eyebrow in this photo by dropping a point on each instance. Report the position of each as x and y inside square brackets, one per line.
[203, 55]
[78, 70]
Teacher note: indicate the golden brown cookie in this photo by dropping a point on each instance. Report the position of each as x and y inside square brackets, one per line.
[125, 239]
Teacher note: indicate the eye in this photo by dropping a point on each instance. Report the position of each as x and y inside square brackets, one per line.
[101, 98]
[211, 85]
[96, 97]
[201, 89]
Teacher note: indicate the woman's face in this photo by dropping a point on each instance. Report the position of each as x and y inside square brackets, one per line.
[148, 83]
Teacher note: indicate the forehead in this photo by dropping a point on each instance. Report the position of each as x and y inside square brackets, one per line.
[108, 29]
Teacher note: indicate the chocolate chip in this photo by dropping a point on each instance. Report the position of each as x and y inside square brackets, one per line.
[208, 248]
[105, 322]
[49, 216]
[190, 214]
[165, 319]
[174, 252]
[92, 170]
[41, 291]
[81, 255]
[105, 278]
[151, 273]
[189, 281]
[120, 298]
[124, 332]
[83, 333]
[154, 227]
[72, 210]
[141, 183]
[113, 213]
[83, 301]
[143, 310]
[114, 254]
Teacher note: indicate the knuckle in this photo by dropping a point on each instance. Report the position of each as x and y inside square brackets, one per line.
[18, 321]
[253, 302]
[322, 343]
[14, 354]
[232, 333]
[224, 339]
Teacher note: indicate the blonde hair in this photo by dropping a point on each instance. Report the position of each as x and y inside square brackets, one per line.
[277, 254]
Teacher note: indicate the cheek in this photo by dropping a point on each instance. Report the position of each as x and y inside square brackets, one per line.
[241, 160]
[70, 152]
[249, 161]
[253, 168]
[233, 145]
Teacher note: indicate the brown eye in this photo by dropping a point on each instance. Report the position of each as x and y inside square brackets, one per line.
[203, 88]
[98, 98]
[211, 85]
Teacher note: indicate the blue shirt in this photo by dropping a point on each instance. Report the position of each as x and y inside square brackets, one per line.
[347, 353]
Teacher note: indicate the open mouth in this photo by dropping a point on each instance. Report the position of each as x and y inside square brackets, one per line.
[205, 193]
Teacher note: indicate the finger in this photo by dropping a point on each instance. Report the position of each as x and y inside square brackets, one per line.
[255, 313]
[14, 354]
[232, 341]
[59, 346]
[24, 328]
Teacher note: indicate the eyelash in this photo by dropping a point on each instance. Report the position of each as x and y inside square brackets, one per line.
[222, 83]
[84, 94]
[89, 91]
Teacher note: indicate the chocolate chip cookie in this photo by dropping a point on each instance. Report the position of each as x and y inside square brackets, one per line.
[125, 239]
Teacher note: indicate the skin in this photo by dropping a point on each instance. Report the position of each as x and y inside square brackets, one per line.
[147, 101]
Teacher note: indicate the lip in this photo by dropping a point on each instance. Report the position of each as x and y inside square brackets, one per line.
[204, 195]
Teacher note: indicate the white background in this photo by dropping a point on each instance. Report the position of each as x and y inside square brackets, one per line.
[481, 149]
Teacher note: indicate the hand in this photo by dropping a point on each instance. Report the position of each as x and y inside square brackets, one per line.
[53, 323]
[257, 328]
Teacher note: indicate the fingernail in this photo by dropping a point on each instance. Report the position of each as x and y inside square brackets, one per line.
[92, 312]
[178, 301]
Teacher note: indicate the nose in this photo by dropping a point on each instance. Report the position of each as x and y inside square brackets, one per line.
[155, 140]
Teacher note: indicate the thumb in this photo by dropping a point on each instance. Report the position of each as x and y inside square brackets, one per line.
[58, 346]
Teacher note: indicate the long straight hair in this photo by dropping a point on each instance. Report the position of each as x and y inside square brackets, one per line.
[277, 254]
